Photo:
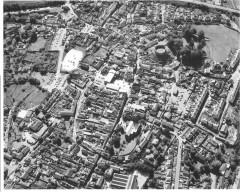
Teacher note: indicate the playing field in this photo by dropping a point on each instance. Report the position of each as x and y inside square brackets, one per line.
[222, 39]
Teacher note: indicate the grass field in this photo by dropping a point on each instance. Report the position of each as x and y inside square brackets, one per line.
[35, 96]
[40, 43]
[20, 2]
[222, 39]
[234, 4]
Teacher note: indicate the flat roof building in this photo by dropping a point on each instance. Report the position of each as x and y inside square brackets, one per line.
[120, 181]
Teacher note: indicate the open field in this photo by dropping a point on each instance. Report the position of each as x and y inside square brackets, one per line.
[19, 92]
[222, 39]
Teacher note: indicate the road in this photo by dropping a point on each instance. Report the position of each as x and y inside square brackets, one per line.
[188, 1]
[163, 11]
[79, 105]
[70, 6]
[212, 6]
[179, 159]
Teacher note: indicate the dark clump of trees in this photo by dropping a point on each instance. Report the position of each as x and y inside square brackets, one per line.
[215, 166]
[116, 142]
[65, 8]
[33, 81]
[57, 141]
[174, 45]
[8, 7]
[190, 54]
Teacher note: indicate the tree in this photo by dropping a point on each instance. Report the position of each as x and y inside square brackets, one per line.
[196, 58]
[135, 118]
[14, 117]
[200, 46]
[65, 8]
[50, 129]
[116, 141]
[88, 103]
[48, 115]
[233, 166]
[170, 43]
[201, 35]
[203, 42]
[40, 139]
[67, 139]
[191, 43]
[111, 150]
[193, 31]
[33, 20]
[187, 35]
[196, 173]
[33, 37]
[215, 165]
[185, 52]
[57, 141]
[69, 79]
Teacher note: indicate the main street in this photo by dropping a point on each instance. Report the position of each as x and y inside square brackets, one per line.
[78, 109]
[179, 159]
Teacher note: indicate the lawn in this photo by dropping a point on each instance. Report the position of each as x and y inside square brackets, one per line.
[19, 92]
[222, 39]
[55, 10]
[40, 43]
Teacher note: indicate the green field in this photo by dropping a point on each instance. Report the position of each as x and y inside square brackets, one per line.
[222, 39]
[20, 2]
[18, 92]
[39, 44]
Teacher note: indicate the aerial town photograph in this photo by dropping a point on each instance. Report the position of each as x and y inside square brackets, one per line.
[127, 94]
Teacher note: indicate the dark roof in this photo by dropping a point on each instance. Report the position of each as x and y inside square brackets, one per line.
[36, 126]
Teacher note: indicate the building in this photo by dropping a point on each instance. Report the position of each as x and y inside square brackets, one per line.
[108, 173]
[218, 2]
[131, 128]
[37, 125]
[235, 93]
[109, 76]
[120, 181]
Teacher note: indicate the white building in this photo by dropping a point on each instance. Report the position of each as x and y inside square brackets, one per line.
[109, 76]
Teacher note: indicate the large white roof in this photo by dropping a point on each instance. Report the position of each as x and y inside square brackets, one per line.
[71, 60]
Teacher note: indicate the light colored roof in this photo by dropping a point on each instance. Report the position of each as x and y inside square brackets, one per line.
[22, 114]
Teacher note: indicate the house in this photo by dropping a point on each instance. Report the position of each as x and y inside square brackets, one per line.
[36, 126]
[58, 175]
[8, 157]
[99, 182]
[69, 173]
[223, 168]
[108, 173]
[73, 182]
